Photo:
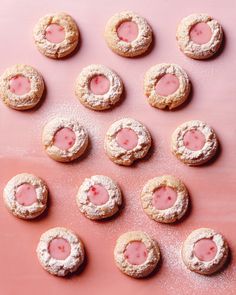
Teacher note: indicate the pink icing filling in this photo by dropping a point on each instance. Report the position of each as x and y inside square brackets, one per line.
[205, 249]
[194, 140]
[127, 138]
[136, 253]
[164, 198]
[98, 195]
[20, 85]
[26, 194]
[167, 85]
[99, 85]
[55, 33]
[200, 33]
[59, 248]
[64, 138]
[127, 31]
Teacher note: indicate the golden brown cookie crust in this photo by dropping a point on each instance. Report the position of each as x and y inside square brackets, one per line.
[128, 49]
[56, 50]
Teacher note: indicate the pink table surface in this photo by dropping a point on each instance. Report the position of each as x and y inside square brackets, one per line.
[212, 186]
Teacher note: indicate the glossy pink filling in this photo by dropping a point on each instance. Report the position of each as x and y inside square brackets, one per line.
[200, 33]
[64, 138]
[59, 248]
[205, 249]
[194, 140]
[167, 85]
[127, 138]
[127, 31]
[98, 195]
[20, 85]
[164, 198]
[26, 194]
[55, 33]
[99, 85]
[136, 253]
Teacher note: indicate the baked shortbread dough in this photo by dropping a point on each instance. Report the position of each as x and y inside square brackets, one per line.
[56, 35]
[128, 34]
[204, 251]
[199, 36]
[166, 86]
[194, 143]
[136, 254]
[98, 87]
[126, 141]
[165, 199]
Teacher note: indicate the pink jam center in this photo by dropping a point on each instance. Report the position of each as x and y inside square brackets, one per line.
[55, 33]
[205, 249]
[127, 138]
[136, 253]
[194, 140]
[99, 85]
[59, 248]
[164, 198]
[200, 33]
[20, 85]
[98, 195]
[127, 31]
[64, 138]
[167, 85]
[26, 194]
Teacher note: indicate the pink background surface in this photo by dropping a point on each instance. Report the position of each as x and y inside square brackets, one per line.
[212, 187]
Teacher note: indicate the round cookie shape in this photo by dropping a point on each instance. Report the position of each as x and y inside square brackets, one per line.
[99, 197]
[64, 140]
[98, 87]
[194, 143]
[199, 36]
[128, 34]
[60, 251]
[204, 251]
[21, 87]
[136, 254]
[126, 141]
[56, 35]
[166, 86]
[25, 196]
[165, 199]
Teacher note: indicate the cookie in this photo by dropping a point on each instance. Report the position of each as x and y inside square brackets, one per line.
[166, 86]
[194, 143]
[60, 251]
[56, 35]
[165, 199]
[126, 141]
[99, 197]
[199, 36]
[128, 34]
[136, 254]
[64, 140]
[204, 251]
[25, 195]
[21, 87]
[98, 88]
